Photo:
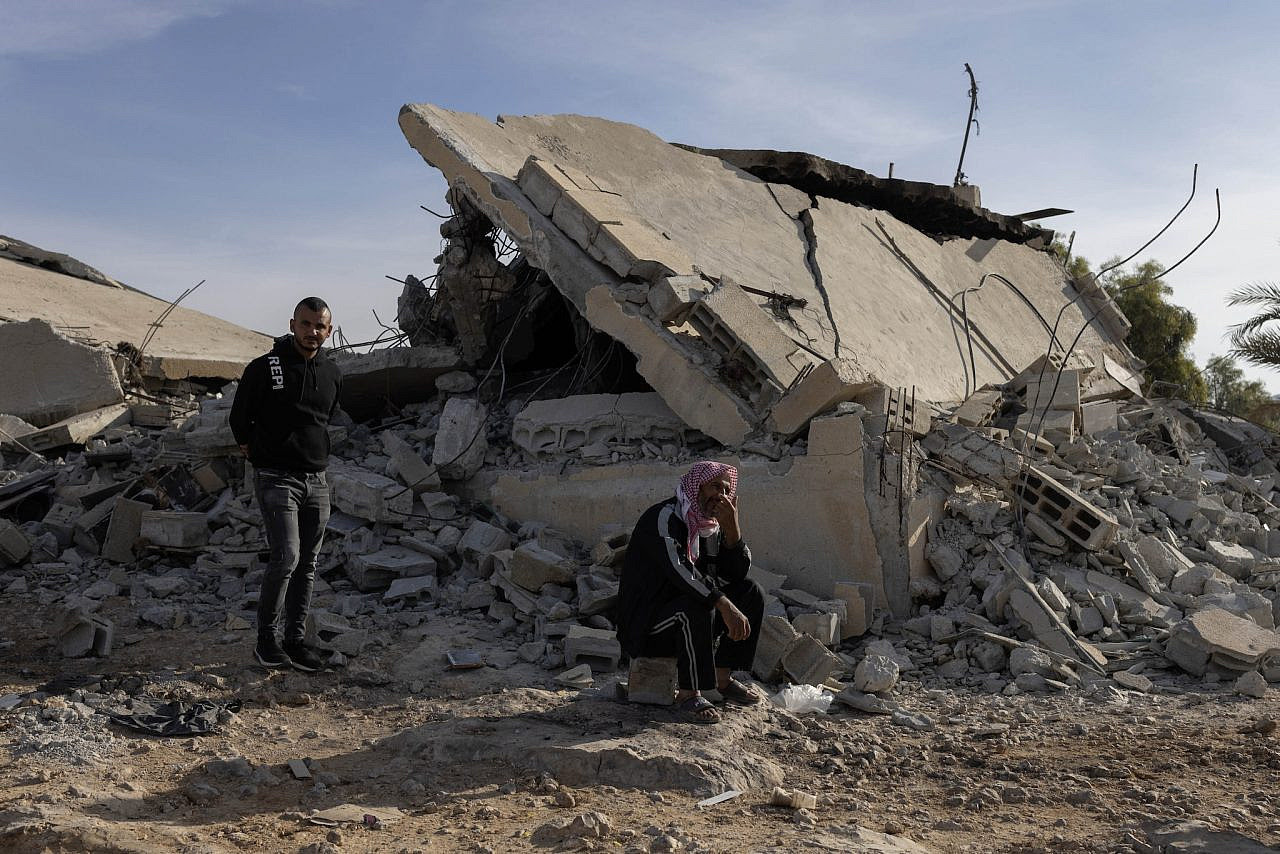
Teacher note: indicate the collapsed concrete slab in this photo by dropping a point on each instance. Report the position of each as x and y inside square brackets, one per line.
[395, 375]
[623, 223]
[186, 344]
[60, 377]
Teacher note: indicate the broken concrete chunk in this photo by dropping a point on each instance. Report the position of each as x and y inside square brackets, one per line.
[124, 530]
[824, 628]
[875, 674]
[368, 495]
[893, 411]
[1214, 636]
[533, 566]
[171, 529]
[672, 297]
[408, 465]
[776, 637]
[859, 599]
[1235, 560]
[808, 662]
[978, 408]
[652, 681]
[832, 382]
[377, 570]
[61, 378]
[461, 442]
[482, 539]
[14, 545]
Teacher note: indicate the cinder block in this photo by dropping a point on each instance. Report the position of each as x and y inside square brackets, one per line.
[776, 637]
[1093, 529]
[61, 521]
[600, 648]
[408, 465]
[978, 408]
[808, 662]
[671, 298]
[1054, 391]
[172, 529]
[368, 495]
[567, 424]
[652, 681]
[893, 410]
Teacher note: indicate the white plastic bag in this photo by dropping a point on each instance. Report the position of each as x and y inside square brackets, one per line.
[802, 699]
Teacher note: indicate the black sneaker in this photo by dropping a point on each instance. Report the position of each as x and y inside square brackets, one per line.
[302, 657]
[269, 653]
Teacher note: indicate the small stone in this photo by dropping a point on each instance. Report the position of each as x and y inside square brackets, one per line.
[1251, 684]
[875, 673]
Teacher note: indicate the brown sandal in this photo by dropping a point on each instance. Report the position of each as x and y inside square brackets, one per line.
[738, 694]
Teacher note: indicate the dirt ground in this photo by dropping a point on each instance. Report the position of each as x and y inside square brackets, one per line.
[500, 759]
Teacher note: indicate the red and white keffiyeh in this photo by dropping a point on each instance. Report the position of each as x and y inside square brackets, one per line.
[701, 525]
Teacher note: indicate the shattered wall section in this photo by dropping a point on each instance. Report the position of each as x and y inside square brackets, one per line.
[52, 377]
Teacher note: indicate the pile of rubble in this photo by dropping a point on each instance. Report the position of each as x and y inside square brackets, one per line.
[1141, 547]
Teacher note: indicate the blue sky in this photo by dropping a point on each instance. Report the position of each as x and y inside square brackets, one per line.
[255, 145]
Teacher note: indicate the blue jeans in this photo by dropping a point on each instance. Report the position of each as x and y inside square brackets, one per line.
[295, 509]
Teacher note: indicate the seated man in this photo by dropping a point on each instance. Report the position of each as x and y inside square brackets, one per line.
[685, 586]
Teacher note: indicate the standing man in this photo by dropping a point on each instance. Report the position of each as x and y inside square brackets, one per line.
[685, 592]
[280, 419]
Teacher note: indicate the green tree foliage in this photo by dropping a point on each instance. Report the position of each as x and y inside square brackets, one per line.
[1228, 389]
[1252, 340]
[1162, 332]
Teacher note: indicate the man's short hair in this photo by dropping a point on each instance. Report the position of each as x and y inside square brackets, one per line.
[312, 304]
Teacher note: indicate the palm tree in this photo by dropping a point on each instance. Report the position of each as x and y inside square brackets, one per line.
[1249, 340]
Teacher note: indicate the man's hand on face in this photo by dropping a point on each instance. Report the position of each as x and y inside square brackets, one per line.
[725, 510]
[735, 621]
[244, 449]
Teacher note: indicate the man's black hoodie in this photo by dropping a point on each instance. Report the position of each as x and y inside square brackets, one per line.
[283, 406]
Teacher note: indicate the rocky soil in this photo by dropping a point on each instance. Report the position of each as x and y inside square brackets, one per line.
[503, 759]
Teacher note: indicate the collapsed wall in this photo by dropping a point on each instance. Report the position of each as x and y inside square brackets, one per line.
[751, 307]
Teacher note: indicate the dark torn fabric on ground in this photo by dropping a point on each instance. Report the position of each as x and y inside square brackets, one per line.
[175, 717]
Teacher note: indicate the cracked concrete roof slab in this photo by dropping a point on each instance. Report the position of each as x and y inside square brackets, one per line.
[793, 280]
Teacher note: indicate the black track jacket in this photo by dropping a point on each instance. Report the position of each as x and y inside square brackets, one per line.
[657, 570]
[283, 406]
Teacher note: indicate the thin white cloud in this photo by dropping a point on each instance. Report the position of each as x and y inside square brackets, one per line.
[53, 28]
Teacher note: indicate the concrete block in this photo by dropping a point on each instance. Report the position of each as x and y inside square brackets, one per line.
[776, 638]
[1040, 393]
[672, 297]
[1039, 623]
[824, 628]
[859, 602]
[597, 647]
[1090, 527]
[892, 410]
[1235, 560]
[77, 429]
[461, 441]
[408, 466]
[596, 595]
[808, 662]
[1053, 425]
[61, 521]
[482, 539]
[832, 382]
[379, 569]
[60, 377]
[652, 681]
[978, 408]
[91, 528]
[533, 566]
[124, 530]
[410, 588]
[368, 495]
[172, 529]
[1099, 418]
[14, 545]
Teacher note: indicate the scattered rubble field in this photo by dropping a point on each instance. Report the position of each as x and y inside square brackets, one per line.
[500, 760]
